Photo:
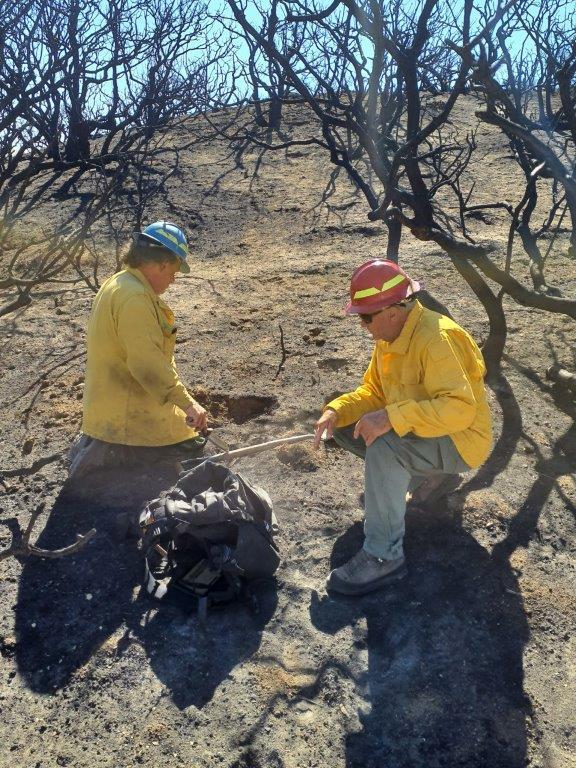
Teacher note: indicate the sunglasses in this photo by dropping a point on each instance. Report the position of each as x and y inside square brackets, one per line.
[367, 319]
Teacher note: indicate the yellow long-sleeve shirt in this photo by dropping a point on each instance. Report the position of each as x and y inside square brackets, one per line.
[132, 392]
[430, 380]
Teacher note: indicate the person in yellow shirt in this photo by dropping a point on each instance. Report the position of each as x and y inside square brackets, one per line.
[135, 408]
[419, 418]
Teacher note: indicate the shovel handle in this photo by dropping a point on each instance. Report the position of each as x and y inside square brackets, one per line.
[251, 450]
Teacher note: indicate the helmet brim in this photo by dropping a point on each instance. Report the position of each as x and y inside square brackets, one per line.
[138, 237]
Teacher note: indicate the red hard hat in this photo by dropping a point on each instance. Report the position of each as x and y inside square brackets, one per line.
[376, 284]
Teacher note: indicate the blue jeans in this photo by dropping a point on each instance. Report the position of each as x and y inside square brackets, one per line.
[393, 466]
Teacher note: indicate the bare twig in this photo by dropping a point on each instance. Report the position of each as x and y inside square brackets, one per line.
[284, 353]
[81, 540]
[205, 280]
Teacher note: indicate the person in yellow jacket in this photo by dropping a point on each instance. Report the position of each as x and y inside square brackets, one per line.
[135, 407]
[419, 418]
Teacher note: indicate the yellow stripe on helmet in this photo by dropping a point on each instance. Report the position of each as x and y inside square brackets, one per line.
[170, 236]
[386, 287]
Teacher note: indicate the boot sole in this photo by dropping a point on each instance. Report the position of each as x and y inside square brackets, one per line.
[364, 589]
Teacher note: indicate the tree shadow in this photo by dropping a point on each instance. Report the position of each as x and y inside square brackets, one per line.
[524, 526]
[68, 608]
[507, 441]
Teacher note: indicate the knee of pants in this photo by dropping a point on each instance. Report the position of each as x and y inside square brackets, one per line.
[344, 437]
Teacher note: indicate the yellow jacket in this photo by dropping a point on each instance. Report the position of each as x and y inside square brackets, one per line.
[430, 380]
[132, 393]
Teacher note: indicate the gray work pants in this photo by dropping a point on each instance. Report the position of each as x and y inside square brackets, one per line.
[394, 465]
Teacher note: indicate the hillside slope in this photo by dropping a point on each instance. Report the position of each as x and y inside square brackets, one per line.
[469, 662]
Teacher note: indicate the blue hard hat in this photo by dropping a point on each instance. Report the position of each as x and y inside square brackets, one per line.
[170, 237]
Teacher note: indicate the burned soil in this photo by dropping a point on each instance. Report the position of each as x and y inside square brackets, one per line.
[469, 662]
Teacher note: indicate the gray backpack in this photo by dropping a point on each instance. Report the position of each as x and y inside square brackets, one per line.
[211, 535]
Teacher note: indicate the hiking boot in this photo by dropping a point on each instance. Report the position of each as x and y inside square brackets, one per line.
[434, 488]
[365, 573]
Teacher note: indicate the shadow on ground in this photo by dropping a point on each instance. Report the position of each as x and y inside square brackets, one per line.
[67, 608]
[444, 682]
[191, 658]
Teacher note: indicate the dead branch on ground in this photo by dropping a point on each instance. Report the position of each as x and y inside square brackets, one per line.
[21, 546]
[284, 353]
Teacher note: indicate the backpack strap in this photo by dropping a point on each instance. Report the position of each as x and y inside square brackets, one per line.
[154, 586]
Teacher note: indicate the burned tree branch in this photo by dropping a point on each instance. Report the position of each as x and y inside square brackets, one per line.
[21, 547]
[22, 300]
[479, 256]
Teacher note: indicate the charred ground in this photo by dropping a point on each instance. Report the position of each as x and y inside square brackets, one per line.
[469, 662]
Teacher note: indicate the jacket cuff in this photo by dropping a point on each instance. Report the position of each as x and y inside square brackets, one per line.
[330, 407]
[183, 400]
[399, 423]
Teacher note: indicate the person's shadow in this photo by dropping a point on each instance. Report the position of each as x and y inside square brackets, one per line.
[444, 680]
[72, 608]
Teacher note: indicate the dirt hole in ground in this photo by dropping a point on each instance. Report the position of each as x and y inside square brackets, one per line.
[236, 408]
